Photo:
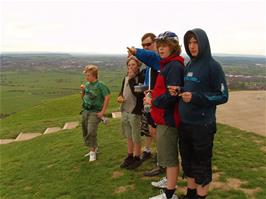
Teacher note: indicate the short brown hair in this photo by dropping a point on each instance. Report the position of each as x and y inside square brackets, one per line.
[172, 43]
[92, 69]
[146, 35]
[139, 63]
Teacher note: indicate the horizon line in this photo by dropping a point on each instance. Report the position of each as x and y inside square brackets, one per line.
[121, 54]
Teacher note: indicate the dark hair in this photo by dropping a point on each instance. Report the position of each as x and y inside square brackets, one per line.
[189, 36]
[151, 35]
[172, 43]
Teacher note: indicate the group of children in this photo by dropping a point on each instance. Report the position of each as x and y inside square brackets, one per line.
[183, 101]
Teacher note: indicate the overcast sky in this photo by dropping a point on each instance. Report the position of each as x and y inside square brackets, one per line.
[102, 26]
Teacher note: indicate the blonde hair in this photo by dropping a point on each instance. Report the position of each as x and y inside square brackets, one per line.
[92, 69]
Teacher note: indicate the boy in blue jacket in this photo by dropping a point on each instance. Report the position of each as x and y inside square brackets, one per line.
[204, 88]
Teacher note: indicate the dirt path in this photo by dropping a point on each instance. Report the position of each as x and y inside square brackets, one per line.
[245, 110]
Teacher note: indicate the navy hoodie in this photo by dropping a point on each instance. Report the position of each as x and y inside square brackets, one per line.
[205, 79]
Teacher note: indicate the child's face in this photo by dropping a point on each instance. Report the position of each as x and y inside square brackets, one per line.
[132, 67]
[193, 47]
[90, 77]
[164, 51]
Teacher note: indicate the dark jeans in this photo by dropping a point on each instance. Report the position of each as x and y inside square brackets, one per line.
[196, 143]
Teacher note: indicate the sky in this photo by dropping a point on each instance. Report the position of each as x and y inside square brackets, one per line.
[108, 27]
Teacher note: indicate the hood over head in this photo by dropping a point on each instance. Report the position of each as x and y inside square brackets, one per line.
[203, 43]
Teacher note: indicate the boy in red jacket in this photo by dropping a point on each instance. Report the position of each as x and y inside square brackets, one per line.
[164, 109]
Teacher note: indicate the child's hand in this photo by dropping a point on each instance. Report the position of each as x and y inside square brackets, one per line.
[82, 86]
[174, 90]
[131, 74]
[131, 51]
[147, 91]
[100, 115]
[120, 99]
[147, 100]
[186, 96]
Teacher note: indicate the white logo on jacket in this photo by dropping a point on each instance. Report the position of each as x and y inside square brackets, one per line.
[190, 74]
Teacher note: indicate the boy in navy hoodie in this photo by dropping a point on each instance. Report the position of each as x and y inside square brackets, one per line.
[204, 88]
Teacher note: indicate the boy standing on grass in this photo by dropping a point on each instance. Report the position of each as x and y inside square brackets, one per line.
[164, 109]
[204, 88]
[95, 96]
[131, 108]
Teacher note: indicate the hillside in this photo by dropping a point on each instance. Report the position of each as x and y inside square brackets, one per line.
[51, 113]
[53, 166]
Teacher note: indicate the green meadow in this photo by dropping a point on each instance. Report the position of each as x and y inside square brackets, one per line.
[53, 166]
[20, 90]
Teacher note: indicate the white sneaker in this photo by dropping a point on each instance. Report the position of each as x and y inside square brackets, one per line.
[92, 156]
[87, 154]
[163, 196]
[160, 184]
[96, 150]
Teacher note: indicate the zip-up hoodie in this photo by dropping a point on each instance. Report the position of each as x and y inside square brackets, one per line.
[164, 109]
[205, 79]
[139, 96]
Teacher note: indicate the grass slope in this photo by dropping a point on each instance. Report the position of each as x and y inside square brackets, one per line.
[50, 113]
[53, 166]
[20, 90]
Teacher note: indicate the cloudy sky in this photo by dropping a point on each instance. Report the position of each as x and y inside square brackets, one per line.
[102, 26]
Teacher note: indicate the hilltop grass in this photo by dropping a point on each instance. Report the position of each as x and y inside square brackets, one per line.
[53, 166]
[20, 90]
[50, 113]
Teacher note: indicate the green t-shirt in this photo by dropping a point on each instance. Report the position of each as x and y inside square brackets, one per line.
[94, 96]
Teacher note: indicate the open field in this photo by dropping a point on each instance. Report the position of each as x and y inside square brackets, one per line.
[245, 110]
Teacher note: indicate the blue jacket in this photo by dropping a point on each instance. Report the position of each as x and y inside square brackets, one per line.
[205, 79]
[151, 60]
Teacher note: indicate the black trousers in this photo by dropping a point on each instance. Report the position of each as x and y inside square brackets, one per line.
[196, 143]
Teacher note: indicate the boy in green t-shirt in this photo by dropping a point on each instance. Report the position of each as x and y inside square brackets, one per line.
[95, 96]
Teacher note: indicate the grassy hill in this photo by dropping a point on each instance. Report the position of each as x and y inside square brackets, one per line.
[20, 90]
[53, 166]
[50, 113]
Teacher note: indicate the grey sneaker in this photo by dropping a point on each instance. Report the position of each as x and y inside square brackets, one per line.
[155, 171]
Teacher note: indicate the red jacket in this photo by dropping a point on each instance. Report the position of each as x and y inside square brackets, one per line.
[164, 109]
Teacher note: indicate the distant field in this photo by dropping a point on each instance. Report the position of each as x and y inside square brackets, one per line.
[20, 90]
[245, 110]
[29, 79]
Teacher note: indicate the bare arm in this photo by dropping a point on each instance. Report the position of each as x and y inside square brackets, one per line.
[105, 105]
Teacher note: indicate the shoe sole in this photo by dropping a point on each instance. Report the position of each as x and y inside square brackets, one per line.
[161, 187]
